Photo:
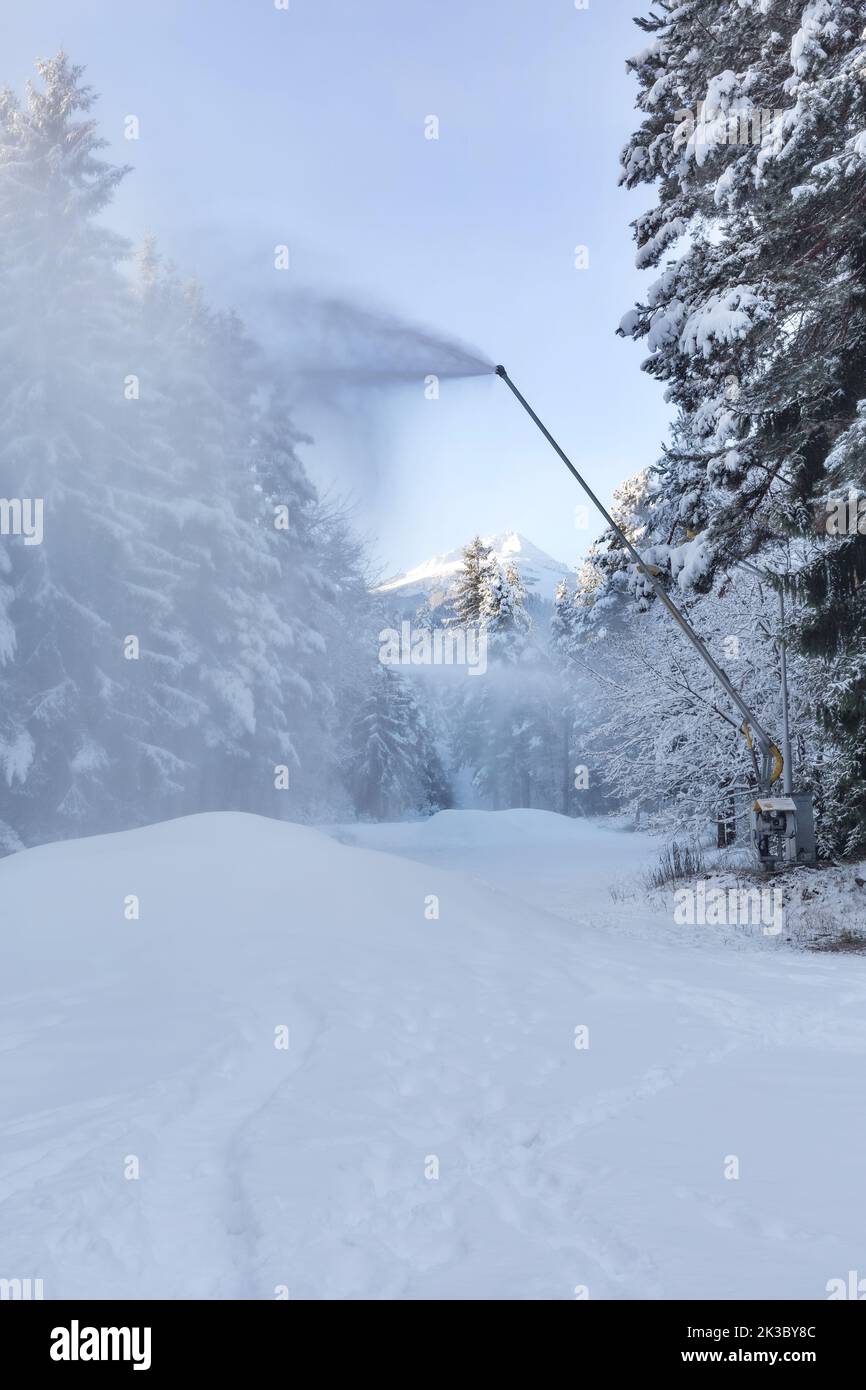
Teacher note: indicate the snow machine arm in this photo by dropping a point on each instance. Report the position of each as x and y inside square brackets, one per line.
[771, 762]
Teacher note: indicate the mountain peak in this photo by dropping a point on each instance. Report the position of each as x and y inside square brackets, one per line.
[433, 579]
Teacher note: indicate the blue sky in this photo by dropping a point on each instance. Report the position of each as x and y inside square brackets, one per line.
[261, 126]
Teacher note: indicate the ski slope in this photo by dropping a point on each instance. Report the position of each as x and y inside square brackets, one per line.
[148, 1047]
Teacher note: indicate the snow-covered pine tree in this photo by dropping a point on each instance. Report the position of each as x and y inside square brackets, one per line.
[395, 769]
[754, 134]
[509, 731]
[468, 599]
[503, 614]
[570, 702]
[473, 715]
[167, 648]
[513, 618]
[668, 743]
[562, 621]
[219, 635]
[524, 733]
[322, 596]
[585, 687]
[348, 618]
[608, 572]
[275, 603]
[65, 332]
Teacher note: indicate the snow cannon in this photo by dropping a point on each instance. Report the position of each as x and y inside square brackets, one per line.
[782, 827]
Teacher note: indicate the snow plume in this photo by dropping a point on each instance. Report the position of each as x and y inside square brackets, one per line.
[349, 372]
[323, 337]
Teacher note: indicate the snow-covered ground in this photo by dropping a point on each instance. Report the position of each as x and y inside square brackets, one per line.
[416, 1043]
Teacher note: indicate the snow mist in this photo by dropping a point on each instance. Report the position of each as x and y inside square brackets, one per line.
[347, 371]
[319, 337]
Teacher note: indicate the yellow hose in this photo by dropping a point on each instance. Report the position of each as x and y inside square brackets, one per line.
[778, 760]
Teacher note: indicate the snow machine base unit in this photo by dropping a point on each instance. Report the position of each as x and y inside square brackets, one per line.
[783, 830]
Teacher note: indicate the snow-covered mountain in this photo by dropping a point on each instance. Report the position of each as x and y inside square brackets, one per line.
[434, 579]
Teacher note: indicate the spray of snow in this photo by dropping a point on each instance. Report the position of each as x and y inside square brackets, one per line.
[322, 338]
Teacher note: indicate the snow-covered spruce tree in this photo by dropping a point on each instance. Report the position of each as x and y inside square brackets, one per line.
[172, 645]
[563, 619]
[394, 767]
[508, 731]
[475, 713]
[467, 603]
[833, 633]
[608, 573]
[581, 697]
[349, 619]
[504, 611]
[668, 743]
[754, 134]
[468, 713]
[521, 678]
[218, 499]
[494, 721]
[324, 600]
[64, 712]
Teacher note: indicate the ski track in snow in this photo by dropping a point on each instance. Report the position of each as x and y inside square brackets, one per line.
[411, 1038]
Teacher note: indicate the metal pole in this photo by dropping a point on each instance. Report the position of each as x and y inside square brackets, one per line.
[788, 769]
[763, 739]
